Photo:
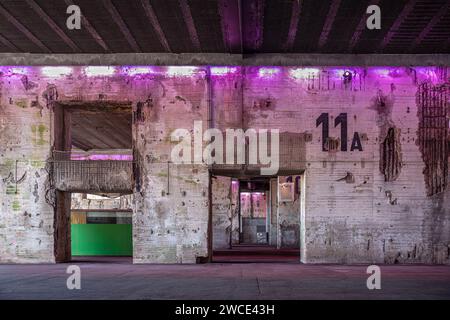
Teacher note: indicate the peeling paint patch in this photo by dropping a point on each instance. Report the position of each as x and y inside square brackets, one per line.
[27, 84]
[50, 94]
[391, 155]
[38, 134]
[16, 205]
[432, 135]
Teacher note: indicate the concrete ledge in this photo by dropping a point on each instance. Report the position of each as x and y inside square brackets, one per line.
[198, 59]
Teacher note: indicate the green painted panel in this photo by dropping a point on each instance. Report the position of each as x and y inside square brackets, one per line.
[102, 240]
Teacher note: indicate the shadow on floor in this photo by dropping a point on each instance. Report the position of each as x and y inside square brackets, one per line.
[102, 259]
[255, 253]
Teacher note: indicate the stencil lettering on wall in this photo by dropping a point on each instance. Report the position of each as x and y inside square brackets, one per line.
[340, 120]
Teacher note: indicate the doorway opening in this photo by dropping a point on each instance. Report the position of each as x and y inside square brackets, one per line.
[101, 227]
[92, 172]
[256, 219]
[254, 211]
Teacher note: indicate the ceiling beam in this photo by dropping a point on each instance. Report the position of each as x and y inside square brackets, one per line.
[436, 18]
[446, 45]
[360, 27]
[397, 23]
[223, 59]
[94, 34]
[98, 133]
[8, 44]
[151, 16]
[44, 16]
[293, 25]
[230, 19]
[187, 15]
[80, 145]
[86, 138]
[121, 24]
[329, 21]
[23, 29]
[253, 24]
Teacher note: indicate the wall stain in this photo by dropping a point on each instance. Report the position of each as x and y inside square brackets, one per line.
[433, 134]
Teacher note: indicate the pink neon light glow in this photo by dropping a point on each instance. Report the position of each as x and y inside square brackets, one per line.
[181, 71]
[268, 72]
[19, 70]
[388, 72]
[99, 71]
[118, 157]
[303, 73]
[428, 74]
[133, 71]
[341, 72]
[221, 71]
[55, 72]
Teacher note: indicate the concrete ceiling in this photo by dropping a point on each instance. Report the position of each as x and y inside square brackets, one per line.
[91, 130]
[225, 26]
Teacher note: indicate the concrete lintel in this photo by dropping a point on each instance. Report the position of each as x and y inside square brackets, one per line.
[198, 59]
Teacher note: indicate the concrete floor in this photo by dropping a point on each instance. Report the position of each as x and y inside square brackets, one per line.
[254, 253]
[118, 279]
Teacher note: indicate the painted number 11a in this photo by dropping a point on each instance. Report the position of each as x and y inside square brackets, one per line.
[340, 120]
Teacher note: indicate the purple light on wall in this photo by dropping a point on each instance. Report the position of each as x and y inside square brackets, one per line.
[341, 72]
[268, 72]
[303, 73]
[385, 72]
[56, 72]
[427, 74]
[133, 71]
[19, 70]
[222, 71]
[99, 157]
[96, 71]
[181, 71]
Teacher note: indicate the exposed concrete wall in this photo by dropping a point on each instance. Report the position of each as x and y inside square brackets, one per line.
[170, 224]
[221, 212]
[170, 217]
[273, 238]
[288, 217]
[26, 219]
[378, 201]
[352, 214]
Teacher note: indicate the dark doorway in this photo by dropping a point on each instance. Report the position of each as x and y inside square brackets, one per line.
[244, 218]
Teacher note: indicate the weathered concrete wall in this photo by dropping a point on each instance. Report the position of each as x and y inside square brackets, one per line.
[221, 211]
[26, 218]
[170, 217]
[352, 213]
[288, 217]
[383, 198]
[170, 223]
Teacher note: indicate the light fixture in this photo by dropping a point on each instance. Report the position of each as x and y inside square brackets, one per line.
[181, 71]
[347, 76]
[222, 71]
[55, 72]
[303, 73]
[133, 71]
[95, 71]
[268, 72]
